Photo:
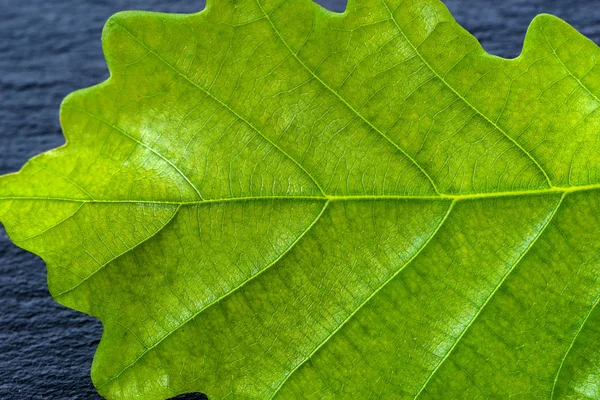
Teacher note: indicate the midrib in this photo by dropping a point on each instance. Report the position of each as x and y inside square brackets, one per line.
[454, 197]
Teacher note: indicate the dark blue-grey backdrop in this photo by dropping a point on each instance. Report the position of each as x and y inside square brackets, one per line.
[51, 48]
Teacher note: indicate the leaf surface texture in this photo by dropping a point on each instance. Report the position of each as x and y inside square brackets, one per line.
[270, 200]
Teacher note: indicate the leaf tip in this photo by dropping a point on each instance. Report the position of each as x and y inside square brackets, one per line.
[550, 32]
[545, 19]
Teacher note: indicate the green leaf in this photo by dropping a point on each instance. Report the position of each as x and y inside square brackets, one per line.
[271, 200]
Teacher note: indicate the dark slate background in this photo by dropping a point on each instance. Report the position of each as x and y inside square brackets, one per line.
[51, 48]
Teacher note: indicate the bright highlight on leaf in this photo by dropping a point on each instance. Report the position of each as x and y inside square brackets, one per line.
[271, 200]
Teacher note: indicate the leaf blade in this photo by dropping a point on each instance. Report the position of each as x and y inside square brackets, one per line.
[284, 176]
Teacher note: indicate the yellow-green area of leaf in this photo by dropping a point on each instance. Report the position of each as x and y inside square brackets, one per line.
[271, 200]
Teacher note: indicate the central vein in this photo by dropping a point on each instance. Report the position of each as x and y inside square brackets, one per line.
[454, 197]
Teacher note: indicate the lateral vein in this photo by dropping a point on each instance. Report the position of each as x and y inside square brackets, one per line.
[487, 300]
[235, 289]
[384, 284]
[468, 103]
[587, 316]
[102, 266]
[223, 104]
[295, 55]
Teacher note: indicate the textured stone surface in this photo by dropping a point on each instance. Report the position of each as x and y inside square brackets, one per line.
[49, 49]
